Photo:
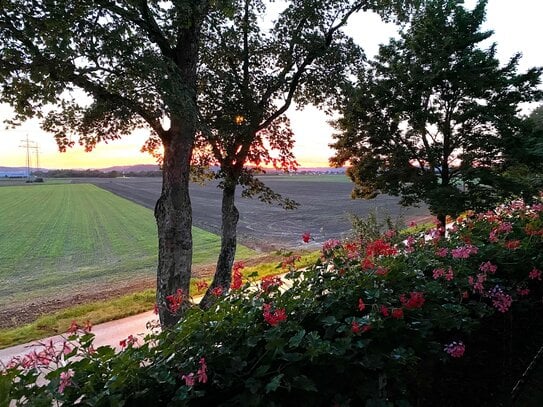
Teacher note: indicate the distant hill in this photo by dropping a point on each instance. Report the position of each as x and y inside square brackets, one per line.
[131, 168]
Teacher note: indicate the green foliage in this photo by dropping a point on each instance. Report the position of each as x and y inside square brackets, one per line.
[430, 118]
[380, 323]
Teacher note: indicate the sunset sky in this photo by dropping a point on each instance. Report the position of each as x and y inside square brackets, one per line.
[516, 26]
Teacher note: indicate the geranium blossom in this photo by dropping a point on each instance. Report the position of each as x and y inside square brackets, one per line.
[236, 275]
[201, 374]
[397, 313]
[361, 305]
[463, 252]
[501, 301]
[488, 267]
[306, 237]
[268, 282]
[65, 380]
[175, 301]
[274, 317]
[455, 349]
[416, 300]
[535, 274]
[380, 248]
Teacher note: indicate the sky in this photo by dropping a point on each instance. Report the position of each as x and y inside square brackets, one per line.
[516, 29]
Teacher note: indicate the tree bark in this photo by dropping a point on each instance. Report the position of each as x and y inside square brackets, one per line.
[173, 214]
[230, 217]
[173, 210]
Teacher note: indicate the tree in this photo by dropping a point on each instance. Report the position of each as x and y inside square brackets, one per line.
[250, 76]
[429, 118]
[136, 62]
[524, 153]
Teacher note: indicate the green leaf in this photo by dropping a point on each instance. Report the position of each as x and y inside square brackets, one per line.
[297, 338]
[304, 383]
[274, 383]
[5, 388]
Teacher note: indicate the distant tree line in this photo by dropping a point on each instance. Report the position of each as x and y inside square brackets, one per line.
[95, 174]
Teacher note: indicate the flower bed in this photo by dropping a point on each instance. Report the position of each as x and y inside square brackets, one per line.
[402, 320]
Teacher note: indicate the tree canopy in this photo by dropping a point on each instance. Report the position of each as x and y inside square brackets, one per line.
[428, 118]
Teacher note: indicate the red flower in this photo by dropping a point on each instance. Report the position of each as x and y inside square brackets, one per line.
[416, 300]
[274, 317]
[175, 301]
[397, 313]
[512, 244]
[236, 276]
[385, 311]
[73, 327]
[88, 326]
[217, 291]
[382, 271]
[367, 263]
[268, 282]
[380, 248]
[306, 237]
[355, 327]
[361, 305]
[201, 285]
[155, 309]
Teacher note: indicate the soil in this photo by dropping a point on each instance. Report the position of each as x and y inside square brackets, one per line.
[32, 310]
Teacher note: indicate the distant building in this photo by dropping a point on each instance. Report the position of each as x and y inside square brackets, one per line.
[12, 174]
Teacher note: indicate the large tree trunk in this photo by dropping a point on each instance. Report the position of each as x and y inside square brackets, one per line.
[173, 210]
[230, 217]
[173, 214]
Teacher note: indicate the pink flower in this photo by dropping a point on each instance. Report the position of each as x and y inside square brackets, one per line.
[535, 274]
[384, 311]
[449, 275]
[189, 379]
[463, 252]
[275, 317]
[65, 380]
[330, 244]
[455, 349]
[361, 305]
[488, 267]
[442, 252]
[501, 301]
[202, 371]
[438, 273]
[306, 237]
[523, 291]
[477, 285]
[390, 233]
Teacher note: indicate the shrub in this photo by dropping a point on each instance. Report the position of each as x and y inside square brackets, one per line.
[401, 320]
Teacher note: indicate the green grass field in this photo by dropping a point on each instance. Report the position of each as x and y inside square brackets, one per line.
[58, 239]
